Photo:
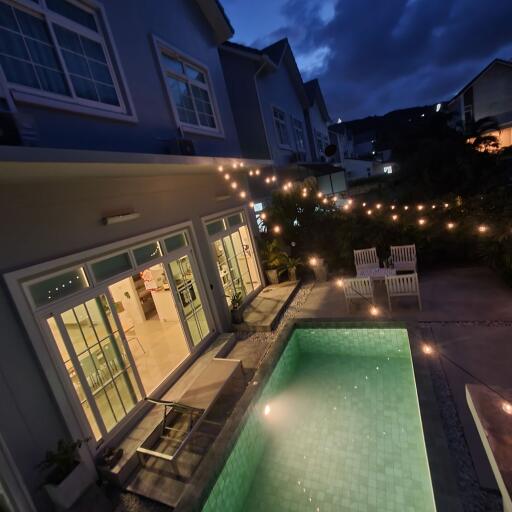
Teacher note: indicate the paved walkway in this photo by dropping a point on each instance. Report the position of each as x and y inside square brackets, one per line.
[468, 313]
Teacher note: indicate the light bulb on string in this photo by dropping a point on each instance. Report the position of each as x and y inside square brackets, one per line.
[251, 204]
[257, 172]
[276, 229]
[234, 184]
[243, 195]
[422, 221]
[420, 207]
[406, 207]
[393, 206]
[226, 176]
[220, 168]
[394, 217]
[450, 225]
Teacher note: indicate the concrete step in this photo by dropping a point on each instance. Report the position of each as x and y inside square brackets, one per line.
[265, 310]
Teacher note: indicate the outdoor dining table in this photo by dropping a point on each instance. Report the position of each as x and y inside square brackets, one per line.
[376, 274]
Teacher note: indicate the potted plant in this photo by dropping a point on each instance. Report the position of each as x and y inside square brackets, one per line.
[236, 308]
[273, 259]
[290, 266]
[67, 478]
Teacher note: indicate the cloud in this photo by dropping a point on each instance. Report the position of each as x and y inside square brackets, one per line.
[374, 56]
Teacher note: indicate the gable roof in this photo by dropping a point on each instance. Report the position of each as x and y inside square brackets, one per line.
[218, 19]
[273, 56]
[495, 62]
[315, 95]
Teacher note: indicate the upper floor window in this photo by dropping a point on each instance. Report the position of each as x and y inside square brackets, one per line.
[56, 50]
[321, 141]
[190, 92]
[281, 128]
[298, 130]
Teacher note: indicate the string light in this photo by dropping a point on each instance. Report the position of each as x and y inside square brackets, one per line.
[241, 164]
[420, 207]
[324, 200]
[220, 168]
[267, 180]
[346, 207]
[506, 407]
[422, 222]
[450, 225]
[234, 184]
[394, 217]
[369, 212]
[257, 172]
[483, 228]
[364, 204]
[406, 207]
[334, 198]
[319, 195]
[226, 176]
[350, 201]
[251, 204]
[313, 261]
[263, 216]
[243, 194]
[276, 229]
[234, 165]
[433, 207]
[339, 283]
[379, 206]
[446, 205]
[273, 178]
[393, 206]
[374, 311]
[251, 173]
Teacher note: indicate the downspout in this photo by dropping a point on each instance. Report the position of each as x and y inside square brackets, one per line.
[269, 146]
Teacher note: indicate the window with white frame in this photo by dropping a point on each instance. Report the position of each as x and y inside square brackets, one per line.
[189, 90]
[57, 49]
[281, 128]
[322, 141]
[298, 130]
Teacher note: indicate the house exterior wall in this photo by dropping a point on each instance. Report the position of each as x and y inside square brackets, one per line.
[30, 420]
[276, 89]
[492, 93]
[241, 76]
[316, 123]
[180, 24]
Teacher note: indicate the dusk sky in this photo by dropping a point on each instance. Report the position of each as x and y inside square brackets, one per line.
[373, 56]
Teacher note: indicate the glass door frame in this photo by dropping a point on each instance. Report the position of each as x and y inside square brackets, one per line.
[228, 232]
[95, 290]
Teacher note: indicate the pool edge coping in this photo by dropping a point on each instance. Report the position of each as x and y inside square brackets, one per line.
[441, 468]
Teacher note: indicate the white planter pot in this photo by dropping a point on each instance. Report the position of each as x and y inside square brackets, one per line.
[71, 488]
[272, 276]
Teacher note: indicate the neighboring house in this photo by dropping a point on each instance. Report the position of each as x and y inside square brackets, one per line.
[268, 101]
[120, 238]
[489, 94]
[278, 117]
[317, 120]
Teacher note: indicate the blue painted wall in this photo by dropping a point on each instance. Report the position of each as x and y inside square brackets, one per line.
[276, 88]
[182, 25]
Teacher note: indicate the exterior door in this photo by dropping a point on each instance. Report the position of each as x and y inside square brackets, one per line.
[98, 362]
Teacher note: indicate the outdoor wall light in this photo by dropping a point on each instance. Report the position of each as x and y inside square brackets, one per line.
[117, 219]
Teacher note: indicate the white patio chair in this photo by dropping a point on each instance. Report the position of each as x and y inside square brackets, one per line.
[357, 288]
[404, 257]
[365, 259]
[404, 285]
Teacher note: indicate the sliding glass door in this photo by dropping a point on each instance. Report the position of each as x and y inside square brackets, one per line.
[234, 253]
[136, 317]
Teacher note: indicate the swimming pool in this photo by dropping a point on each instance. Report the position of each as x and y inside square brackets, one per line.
[336, 428]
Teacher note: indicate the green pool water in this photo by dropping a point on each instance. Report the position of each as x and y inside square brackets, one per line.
[336, 428]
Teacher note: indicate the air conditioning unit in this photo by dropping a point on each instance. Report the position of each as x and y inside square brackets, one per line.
[182, 146]
[17, 130]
